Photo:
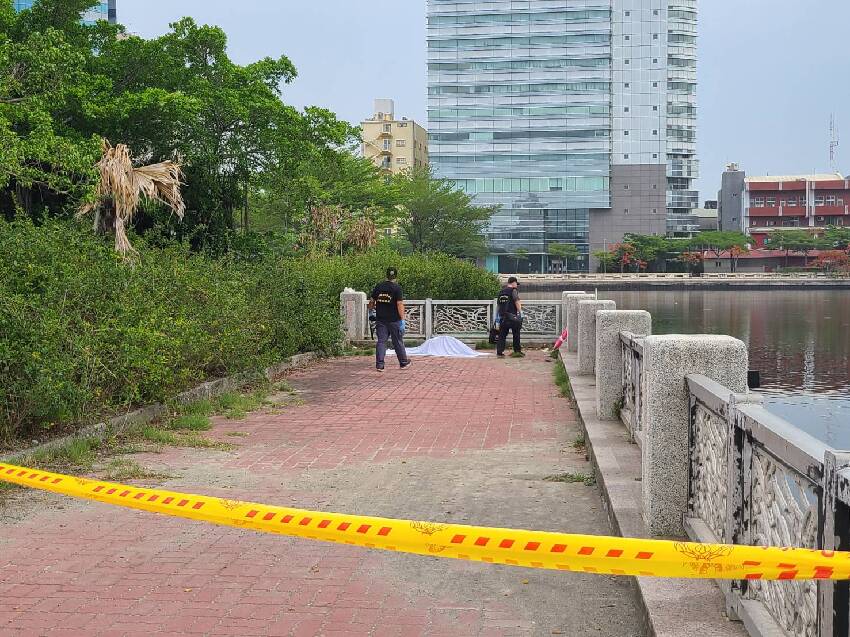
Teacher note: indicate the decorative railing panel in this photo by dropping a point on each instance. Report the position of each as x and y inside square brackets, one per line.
[462, 317]
[783, 511]
[709, 473]
[472, 319]
[757, 480]
[541, 317]
[630, 412]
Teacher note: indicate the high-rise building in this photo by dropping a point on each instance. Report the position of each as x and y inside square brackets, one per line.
[394, 145]
[577, 116]
[102, 11]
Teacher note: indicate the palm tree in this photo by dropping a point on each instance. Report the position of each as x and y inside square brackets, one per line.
[122, 187]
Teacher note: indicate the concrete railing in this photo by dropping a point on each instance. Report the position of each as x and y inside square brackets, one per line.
[464, 319]
[616, 276]
[719, 468]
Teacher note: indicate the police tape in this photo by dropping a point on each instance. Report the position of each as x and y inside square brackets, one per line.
[533, 549]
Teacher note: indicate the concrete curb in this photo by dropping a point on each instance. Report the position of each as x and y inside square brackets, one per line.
[151, 413]
[669, 607]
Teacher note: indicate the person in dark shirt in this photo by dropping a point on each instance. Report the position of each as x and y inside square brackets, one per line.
[510, 318]
[386, 307]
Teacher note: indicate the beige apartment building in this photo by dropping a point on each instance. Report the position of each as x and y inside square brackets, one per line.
[393, 145]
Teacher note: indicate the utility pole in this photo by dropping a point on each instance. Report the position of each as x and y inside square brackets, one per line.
[833, 143]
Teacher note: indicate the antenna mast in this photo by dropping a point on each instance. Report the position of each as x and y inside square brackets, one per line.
[833, 143]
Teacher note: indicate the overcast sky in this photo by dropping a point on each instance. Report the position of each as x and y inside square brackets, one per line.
[771, 71]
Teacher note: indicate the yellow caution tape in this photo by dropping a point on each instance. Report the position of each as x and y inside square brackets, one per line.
[533, 549]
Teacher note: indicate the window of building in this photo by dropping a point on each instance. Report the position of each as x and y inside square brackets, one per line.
[625, 211]
[830, 200]
[388, 144]
[625, 132]
[401, 160]
[627, 85]
[791, 203]
[758, 202]
[401, 143]
[654, 36]
[655, 84]
[626, 187]
[402, 124]
[655, 132]
[770, 202]
[388, 128]
[655, 155]
[655, 12]
[626, 156]
[627, 109]
[840, 202]
[819, 200]
[655, 211]
[628, 37]
[628, 61]
[628, 13]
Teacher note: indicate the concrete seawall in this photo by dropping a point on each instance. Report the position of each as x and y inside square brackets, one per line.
[531, 284]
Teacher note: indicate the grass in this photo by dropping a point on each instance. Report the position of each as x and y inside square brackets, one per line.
[485, 345]
[191, 422]
[79, 453]
[580, 444]
[122, 469]
[562, 380]
[203, 407]
[586, 479]
[235, 406]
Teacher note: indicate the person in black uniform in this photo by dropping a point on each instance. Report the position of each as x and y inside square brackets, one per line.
[386, 308]
[510, 318]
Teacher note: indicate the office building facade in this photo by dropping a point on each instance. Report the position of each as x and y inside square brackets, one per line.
[577, 117]
[393, 145]
[759, 206]
[101, 11]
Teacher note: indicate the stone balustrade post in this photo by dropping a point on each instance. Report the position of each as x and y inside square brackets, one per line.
[354, 317]
[564, 309]
[609, 355]
[572, 318]
[667, 360]
[587, 334]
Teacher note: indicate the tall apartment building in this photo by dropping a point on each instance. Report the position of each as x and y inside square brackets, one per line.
[393, 145]
[577, 116]
[102, 11]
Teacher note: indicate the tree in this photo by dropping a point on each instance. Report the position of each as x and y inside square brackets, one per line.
[649, 249]
[122, 187]
[719, 241]
[786, 240]
[606, 260]
[566, 251]
[520, 255]
[838, 238]
[434, 216]
[834, 261]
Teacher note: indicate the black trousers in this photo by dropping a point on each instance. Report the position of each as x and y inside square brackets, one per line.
[508, 325]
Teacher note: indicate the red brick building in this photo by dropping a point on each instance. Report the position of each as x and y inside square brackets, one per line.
[807, 201]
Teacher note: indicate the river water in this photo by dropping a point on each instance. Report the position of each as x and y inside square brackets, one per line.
[799, 340]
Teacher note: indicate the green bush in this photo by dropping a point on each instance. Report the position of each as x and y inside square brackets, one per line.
[82, 333]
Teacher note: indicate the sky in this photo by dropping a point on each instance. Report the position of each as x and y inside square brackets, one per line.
[771, 71]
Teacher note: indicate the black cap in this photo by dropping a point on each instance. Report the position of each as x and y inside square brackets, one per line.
[392, 273]
[513, 279]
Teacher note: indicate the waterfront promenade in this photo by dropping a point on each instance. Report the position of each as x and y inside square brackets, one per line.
[468, 441]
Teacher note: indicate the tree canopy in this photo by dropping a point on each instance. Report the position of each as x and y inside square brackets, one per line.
[65, 85]
[435, 216]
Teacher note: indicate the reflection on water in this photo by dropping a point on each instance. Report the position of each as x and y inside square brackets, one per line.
[798, 340]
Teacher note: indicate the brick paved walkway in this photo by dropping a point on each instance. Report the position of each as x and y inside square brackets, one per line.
[463, 441]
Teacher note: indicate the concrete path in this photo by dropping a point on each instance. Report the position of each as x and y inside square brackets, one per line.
[466, 441]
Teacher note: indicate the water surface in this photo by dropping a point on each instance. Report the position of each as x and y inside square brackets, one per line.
[799, 340]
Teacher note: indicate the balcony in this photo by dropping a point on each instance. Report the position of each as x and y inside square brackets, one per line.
[683, 199]
[683, 168]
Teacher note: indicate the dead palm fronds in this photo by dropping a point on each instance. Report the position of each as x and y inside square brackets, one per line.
[121, 188]
[362, 234]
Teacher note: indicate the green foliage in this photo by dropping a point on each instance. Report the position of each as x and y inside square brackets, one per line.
[436, 217]
[191, 422]
[719, 241]
[82, 334]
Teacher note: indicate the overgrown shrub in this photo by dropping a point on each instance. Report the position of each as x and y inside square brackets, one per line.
[83, 333]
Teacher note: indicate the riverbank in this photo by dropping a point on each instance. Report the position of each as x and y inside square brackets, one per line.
[539, 283]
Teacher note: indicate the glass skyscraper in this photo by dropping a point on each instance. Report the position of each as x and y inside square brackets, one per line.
[102, 11]
[576, 116]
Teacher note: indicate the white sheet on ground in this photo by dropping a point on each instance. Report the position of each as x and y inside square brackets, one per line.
[444, 346]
